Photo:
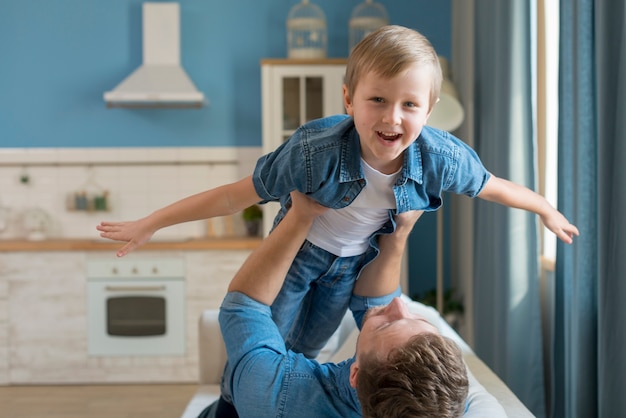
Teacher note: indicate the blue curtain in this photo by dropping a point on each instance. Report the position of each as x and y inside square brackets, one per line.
[507, 313]
[590, 287]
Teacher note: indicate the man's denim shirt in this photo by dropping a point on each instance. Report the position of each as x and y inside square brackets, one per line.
[323, 159]
[264, 379]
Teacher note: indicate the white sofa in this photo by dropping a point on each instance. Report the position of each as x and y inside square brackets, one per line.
[489, 397]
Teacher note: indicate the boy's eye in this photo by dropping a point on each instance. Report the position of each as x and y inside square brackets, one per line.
[378, 99]
[410, 104]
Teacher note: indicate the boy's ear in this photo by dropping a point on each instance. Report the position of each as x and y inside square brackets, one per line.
[354, 371]
[347, 101]
[431, 110]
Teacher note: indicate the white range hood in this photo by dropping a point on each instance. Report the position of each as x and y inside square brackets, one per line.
[160, 81]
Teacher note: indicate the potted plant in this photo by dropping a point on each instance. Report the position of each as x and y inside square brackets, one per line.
[252, 217]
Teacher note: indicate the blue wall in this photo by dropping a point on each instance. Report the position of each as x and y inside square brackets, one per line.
[59, 57]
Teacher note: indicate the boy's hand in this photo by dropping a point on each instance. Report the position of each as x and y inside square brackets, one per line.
[135, 234]
[562, 228]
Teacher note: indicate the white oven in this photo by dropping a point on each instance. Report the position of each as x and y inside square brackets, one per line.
[136, 306]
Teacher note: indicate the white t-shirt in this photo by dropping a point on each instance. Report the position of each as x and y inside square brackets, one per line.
[345, 232]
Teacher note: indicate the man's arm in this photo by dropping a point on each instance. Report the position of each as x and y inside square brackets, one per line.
[382, 276]
[263, 273]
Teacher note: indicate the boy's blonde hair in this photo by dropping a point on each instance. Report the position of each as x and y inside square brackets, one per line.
[390, 50]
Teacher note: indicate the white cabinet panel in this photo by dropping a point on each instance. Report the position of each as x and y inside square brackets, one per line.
[294, 92]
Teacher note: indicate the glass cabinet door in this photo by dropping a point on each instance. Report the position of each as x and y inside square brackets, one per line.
[303, 100]
[294, 92]
[291, 104]
[314, 98]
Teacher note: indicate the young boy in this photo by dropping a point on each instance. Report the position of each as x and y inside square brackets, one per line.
[378, 160]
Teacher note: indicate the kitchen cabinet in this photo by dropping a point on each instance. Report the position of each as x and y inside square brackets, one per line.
[46, 316]
[294, 92]
[43, 318]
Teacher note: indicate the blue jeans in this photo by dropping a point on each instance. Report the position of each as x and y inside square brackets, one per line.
[314, 298]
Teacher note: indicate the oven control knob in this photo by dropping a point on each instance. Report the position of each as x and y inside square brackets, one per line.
[134, 270]
[114, 270]
[155, 270]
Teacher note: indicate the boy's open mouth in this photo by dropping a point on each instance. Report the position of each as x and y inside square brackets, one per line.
[388, 136]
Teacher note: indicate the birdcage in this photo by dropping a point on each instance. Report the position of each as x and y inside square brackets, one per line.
[365, 19]
[306, 31]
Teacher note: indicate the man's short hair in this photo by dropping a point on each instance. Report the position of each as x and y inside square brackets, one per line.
[424, 378]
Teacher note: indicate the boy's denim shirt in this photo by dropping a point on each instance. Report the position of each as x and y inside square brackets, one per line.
[323, 160]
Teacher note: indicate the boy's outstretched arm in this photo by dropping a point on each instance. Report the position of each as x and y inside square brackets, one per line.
[220, 201]
[514, 195]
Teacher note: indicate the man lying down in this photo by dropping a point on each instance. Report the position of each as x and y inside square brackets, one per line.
[403, 366]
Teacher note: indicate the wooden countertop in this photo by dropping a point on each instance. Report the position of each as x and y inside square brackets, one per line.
[234, 243]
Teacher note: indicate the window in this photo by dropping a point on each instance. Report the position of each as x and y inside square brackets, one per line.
[547, 113]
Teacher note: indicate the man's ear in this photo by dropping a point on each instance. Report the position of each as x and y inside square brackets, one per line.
[347, 101]
[354, 371]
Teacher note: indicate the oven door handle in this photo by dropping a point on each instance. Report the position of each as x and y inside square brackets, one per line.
[135, 288]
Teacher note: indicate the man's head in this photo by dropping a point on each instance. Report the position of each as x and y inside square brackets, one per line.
[405, 368]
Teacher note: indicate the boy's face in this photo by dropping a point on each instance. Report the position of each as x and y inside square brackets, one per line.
[389, 114]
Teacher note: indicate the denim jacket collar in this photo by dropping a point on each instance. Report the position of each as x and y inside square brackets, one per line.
[351, 161]
[412, 165]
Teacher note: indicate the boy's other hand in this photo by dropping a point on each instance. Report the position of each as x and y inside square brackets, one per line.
[135, 234]
[560, 226]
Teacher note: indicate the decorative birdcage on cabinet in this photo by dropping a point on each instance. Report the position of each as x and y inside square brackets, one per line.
[306, 31]
[365, 19]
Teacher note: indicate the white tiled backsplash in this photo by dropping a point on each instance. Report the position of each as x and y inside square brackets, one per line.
[138, 181]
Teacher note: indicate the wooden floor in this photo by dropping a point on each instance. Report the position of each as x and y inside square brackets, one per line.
[103, 401]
